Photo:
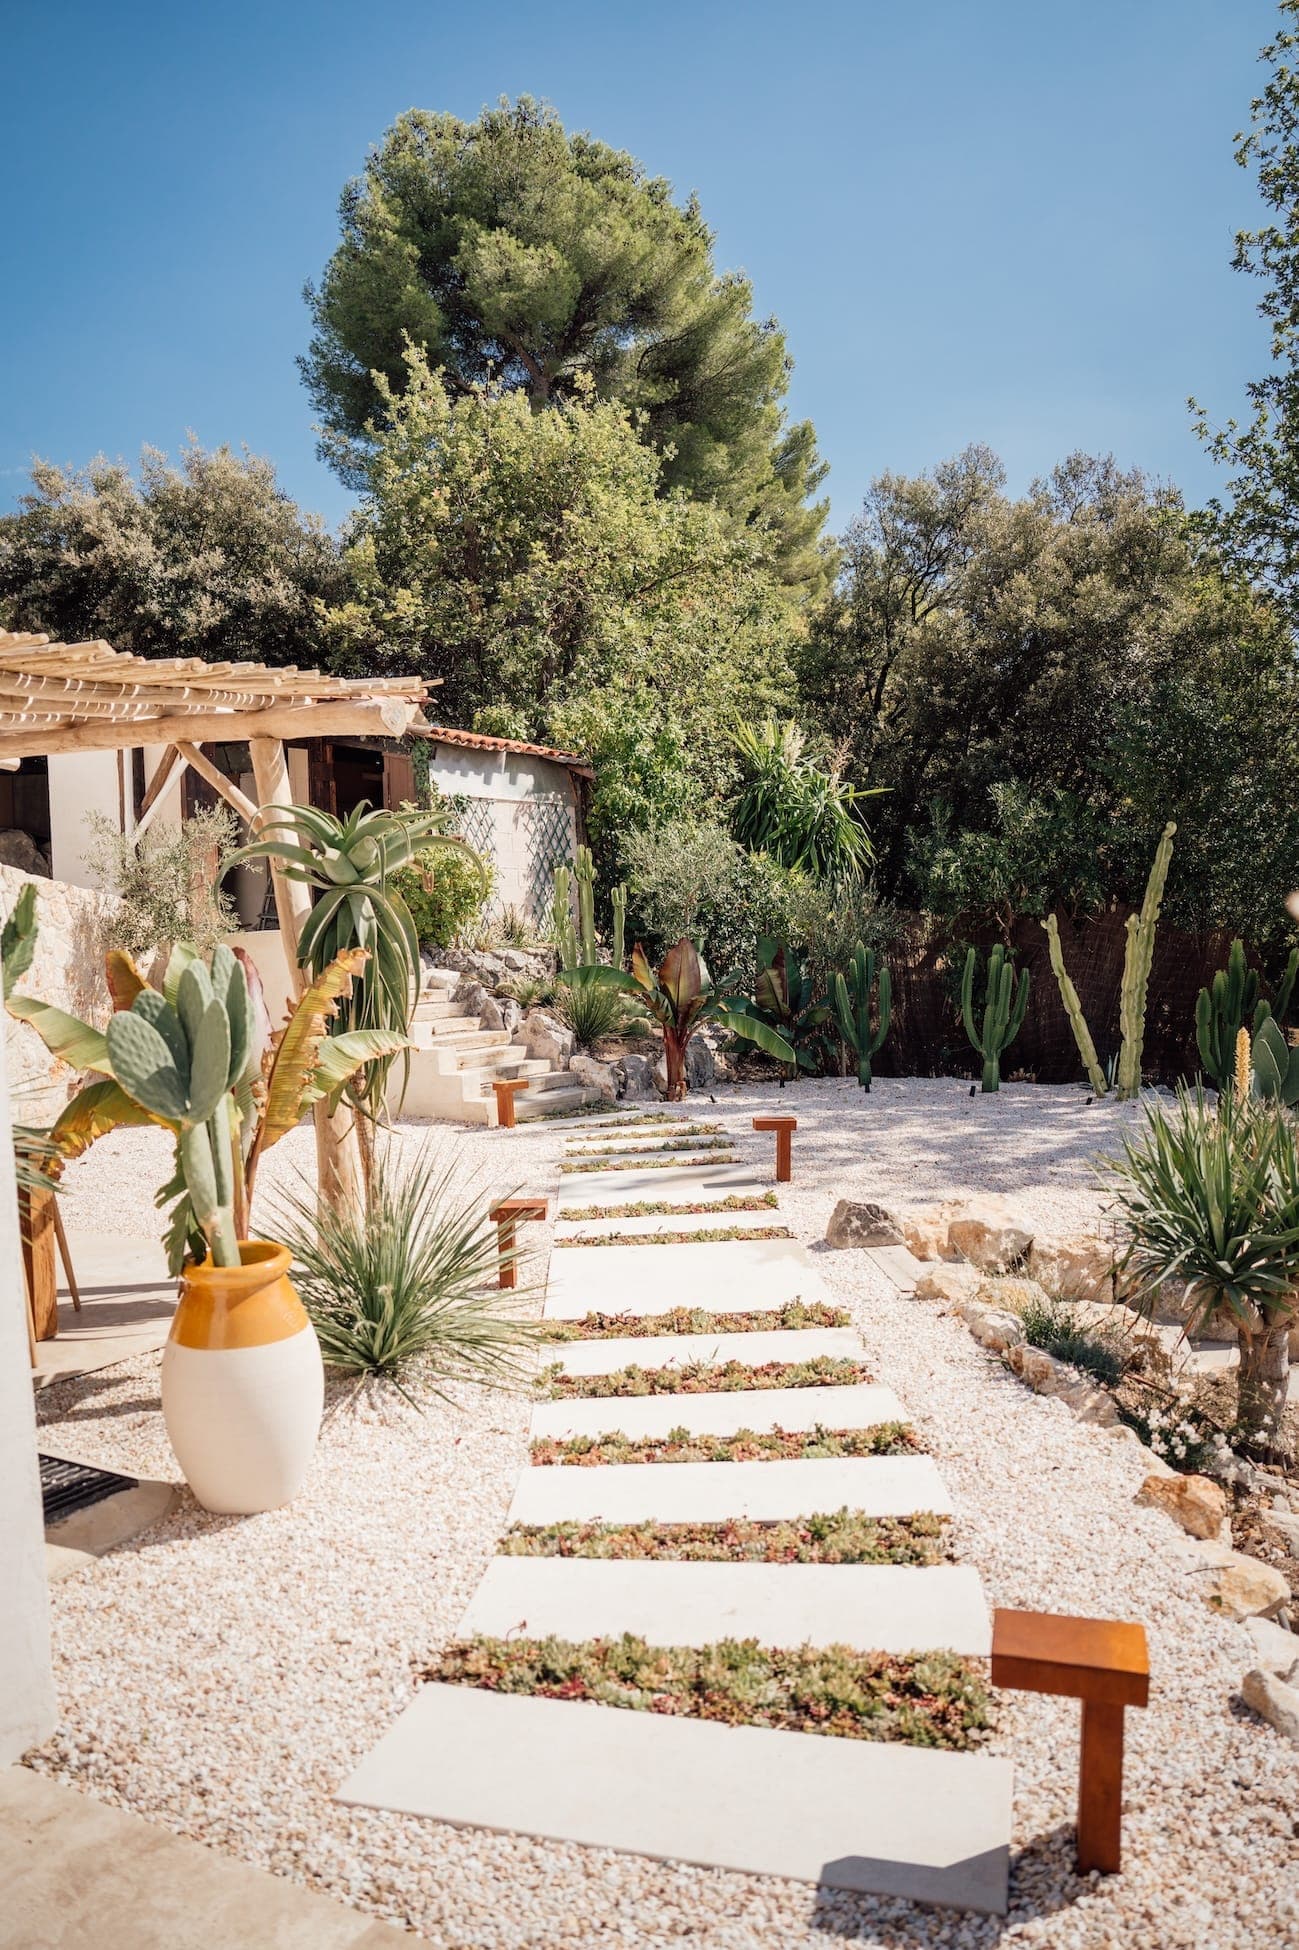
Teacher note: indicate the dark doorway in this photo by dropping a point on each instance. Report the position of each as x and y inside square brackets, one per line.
[358, 774]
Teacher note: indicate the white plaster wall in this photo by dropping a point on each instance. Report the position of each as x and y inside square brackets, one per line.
[27, 1708]
[265, 949]
[80, 783]
[507, 781]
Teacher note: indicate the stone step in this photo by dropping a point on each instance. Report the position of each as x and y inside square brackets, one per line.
[674, 1185]
[540, 1102]
[604, 1355]
[871, 1607]
[644, 1280]
[435, 1008]
[510, 1060]
[879, 1486]
[679, 1222]
[860, 1405]
[889, 1820]
[438, 980]
[453, 1027]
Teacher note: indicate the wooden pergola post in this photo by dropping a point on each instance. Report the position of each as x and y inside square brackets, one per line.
[338, 1154]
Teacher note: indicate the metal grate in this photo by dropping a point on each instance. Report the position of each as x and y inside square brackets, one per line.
[69, 1486]
[548, 836]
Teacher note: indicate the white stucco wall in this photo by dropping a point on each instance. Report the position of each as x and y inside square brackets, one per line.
[81, 783]
[27, 1710]
[509, 784]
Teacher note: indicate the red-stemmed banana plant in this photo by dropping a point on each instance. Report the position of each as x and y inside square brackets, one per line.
[680, 996]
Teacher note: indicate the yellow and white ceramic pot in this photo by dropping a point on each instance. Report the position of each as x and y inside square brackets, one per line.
[243, 1384]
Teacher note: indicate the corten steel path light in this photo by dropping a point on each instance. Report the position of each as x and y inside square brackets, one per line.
[508, 1214]
[784, 1127]
[506, 1088]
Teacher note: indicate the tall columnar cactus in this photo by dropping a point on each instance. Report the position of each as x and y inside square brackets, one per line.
[561, 918]
[584, 873]
[181, 1063]
[1136, 968]
[1231, 1000]
[1003, 1010]
[1273, 1065]
[852, 1009]
[1073, 1009]
[618, 899]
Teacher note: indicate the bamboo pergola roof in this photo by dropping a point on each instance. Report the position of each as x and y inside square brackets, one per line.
[70, 697]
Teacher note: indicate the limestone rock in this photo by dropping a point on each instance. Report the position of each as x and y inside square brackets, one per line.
[1281, 1529]
[19, 849]
[1274, 1701]
[1275, 1649]
[511, 1013]
[595, 1076]
[862, 1224]
[996, 1329]
[469, 996]
[545, 1038]
[634, 1076]
[989, 1233]
[1073, 1269]
[490, 1016]
[1010, 1293]
[925, 1237]
[1238, 1586]
[1047, 1376]
[1196, 1502]
[701, 1067]
[946, 1282]
[514, 960]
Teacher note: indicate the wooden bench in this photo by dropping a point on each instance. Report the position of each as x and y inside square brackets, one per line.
[506, 1089]
[784, 1127]
[1105, 1664]
[508, 1214]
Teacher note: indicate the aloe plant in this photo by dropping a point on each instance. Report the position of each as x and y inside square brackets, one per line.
[681, 998]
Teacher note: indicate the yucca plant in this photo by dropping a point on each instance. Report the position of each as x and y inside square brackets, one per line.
[1210, 1197]
[349, 866]
[589, 1008]
[406, 1291]
[681, 998]
[800, 813]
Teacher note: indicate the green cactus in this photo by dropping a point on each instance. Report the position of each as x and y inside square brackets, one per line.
[618, 899]
[1073, 1009]
[1232, 999]
[852, 1009]
[1137, 959]
[180, 1062]
[1003, 1010]
[561, 918]
[584, 873]
[1274, 1065]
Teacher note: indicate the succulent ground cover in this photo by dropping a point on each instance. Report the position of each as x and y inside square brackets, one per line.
[935, 1700]
[776, 1445]
[669, 1144]
[695, 1320]
[651, 1208]
[839, 1537]
[705, 1236]
[708, 1378]
[656, 1159]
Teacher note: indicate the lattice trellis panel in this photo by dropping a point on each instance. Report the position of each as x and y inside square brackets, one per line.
[548, 836]
[476, 825]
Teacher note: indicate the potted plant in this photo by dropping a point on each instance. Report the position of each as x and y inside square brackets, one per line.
[680, 996]
[242, 1380]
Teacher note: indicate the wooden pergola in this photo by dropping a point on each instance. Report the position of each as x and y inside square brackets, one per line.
[87, 697]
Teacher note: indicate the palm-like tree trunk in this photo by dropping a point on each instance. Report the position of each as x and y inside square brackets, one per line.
[674, 1057]
[1264, 1378]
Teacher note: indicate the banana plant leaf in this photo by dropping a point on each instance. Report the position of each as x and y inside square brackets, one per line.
[124, 979]
[769, 1040]
[340, 1057]
[73, 1042]
[94, 1112]
[296, 1054]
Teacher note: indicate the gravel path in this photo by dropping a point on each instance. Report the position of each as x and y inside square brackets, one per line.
[221, 1676]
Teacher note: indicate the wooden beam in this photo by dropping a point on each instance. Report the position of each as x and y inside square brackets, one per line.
[157, 784]
[373, 718]
[238, 801]
[150, 813]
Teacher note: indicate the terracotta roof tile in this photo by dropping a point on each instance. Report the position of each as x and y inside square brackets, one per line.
[442, 734]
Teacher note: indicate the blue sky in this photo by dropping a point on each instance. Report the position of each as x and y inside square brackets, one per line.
[1004, 221]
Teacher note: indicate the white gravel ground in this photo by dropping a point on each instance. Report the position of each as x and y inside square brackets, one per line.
[221, 1676]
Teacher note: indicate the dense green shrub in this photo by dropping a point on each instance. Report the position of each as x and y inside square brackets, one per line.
[444, 893]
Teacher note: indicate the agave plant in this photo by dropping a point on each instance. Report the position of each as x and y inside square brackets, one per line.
[199, 1059]
[680, 996]
[349, 864]
[785, 1000]
[1210, 1198]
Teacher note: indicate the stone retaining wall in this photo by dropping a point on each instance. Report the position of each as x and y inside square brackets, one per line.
[69, 972]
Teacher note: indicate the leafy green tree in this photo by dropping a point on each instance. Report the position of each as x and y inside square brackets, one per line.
[529, 560]
[209, 558]
[1258, 529]
[514, 254]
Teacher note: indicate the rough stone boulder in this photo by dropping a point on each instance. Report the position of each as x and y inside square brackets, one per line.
[701, 1067]
[1281, 1529]
[925, 1235]
[1196, 1502]
[990, 1233]
[947, 1282]
[470, 996]
[545, 1038]
[1009, 1292]
[1047, 1376]
[1236, 1585]
[1274, 1701]
[490, 1016]
[996, 1329]
[1275, 1649]
[634, 1076]
[19, 849]
[1073, 1269]
[595, 1076]
[862, 1224]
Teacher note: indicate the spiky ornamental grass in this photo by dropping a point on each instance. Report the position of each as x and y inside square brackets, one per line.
[704, 1236]
[779, 1445]
[654, 1160]
[841, 1537]
[657, 1150]
[935, 1700]
[795, 1314]
[406, 1289]
[707, 1378]
[654, 1208]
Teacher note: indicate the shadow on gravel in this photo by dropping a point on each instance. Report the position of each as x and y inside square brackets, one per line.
[1042, 1883]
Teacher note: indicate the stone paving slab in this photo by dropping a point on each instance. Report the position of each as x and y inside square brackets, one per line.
[899, 1264]
[872, 1607]
[613, 1351]
[850, 1814]
[683, 1222]
[674, 1184]
[724, 1412]
[880, 1486]
[752, 1274]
